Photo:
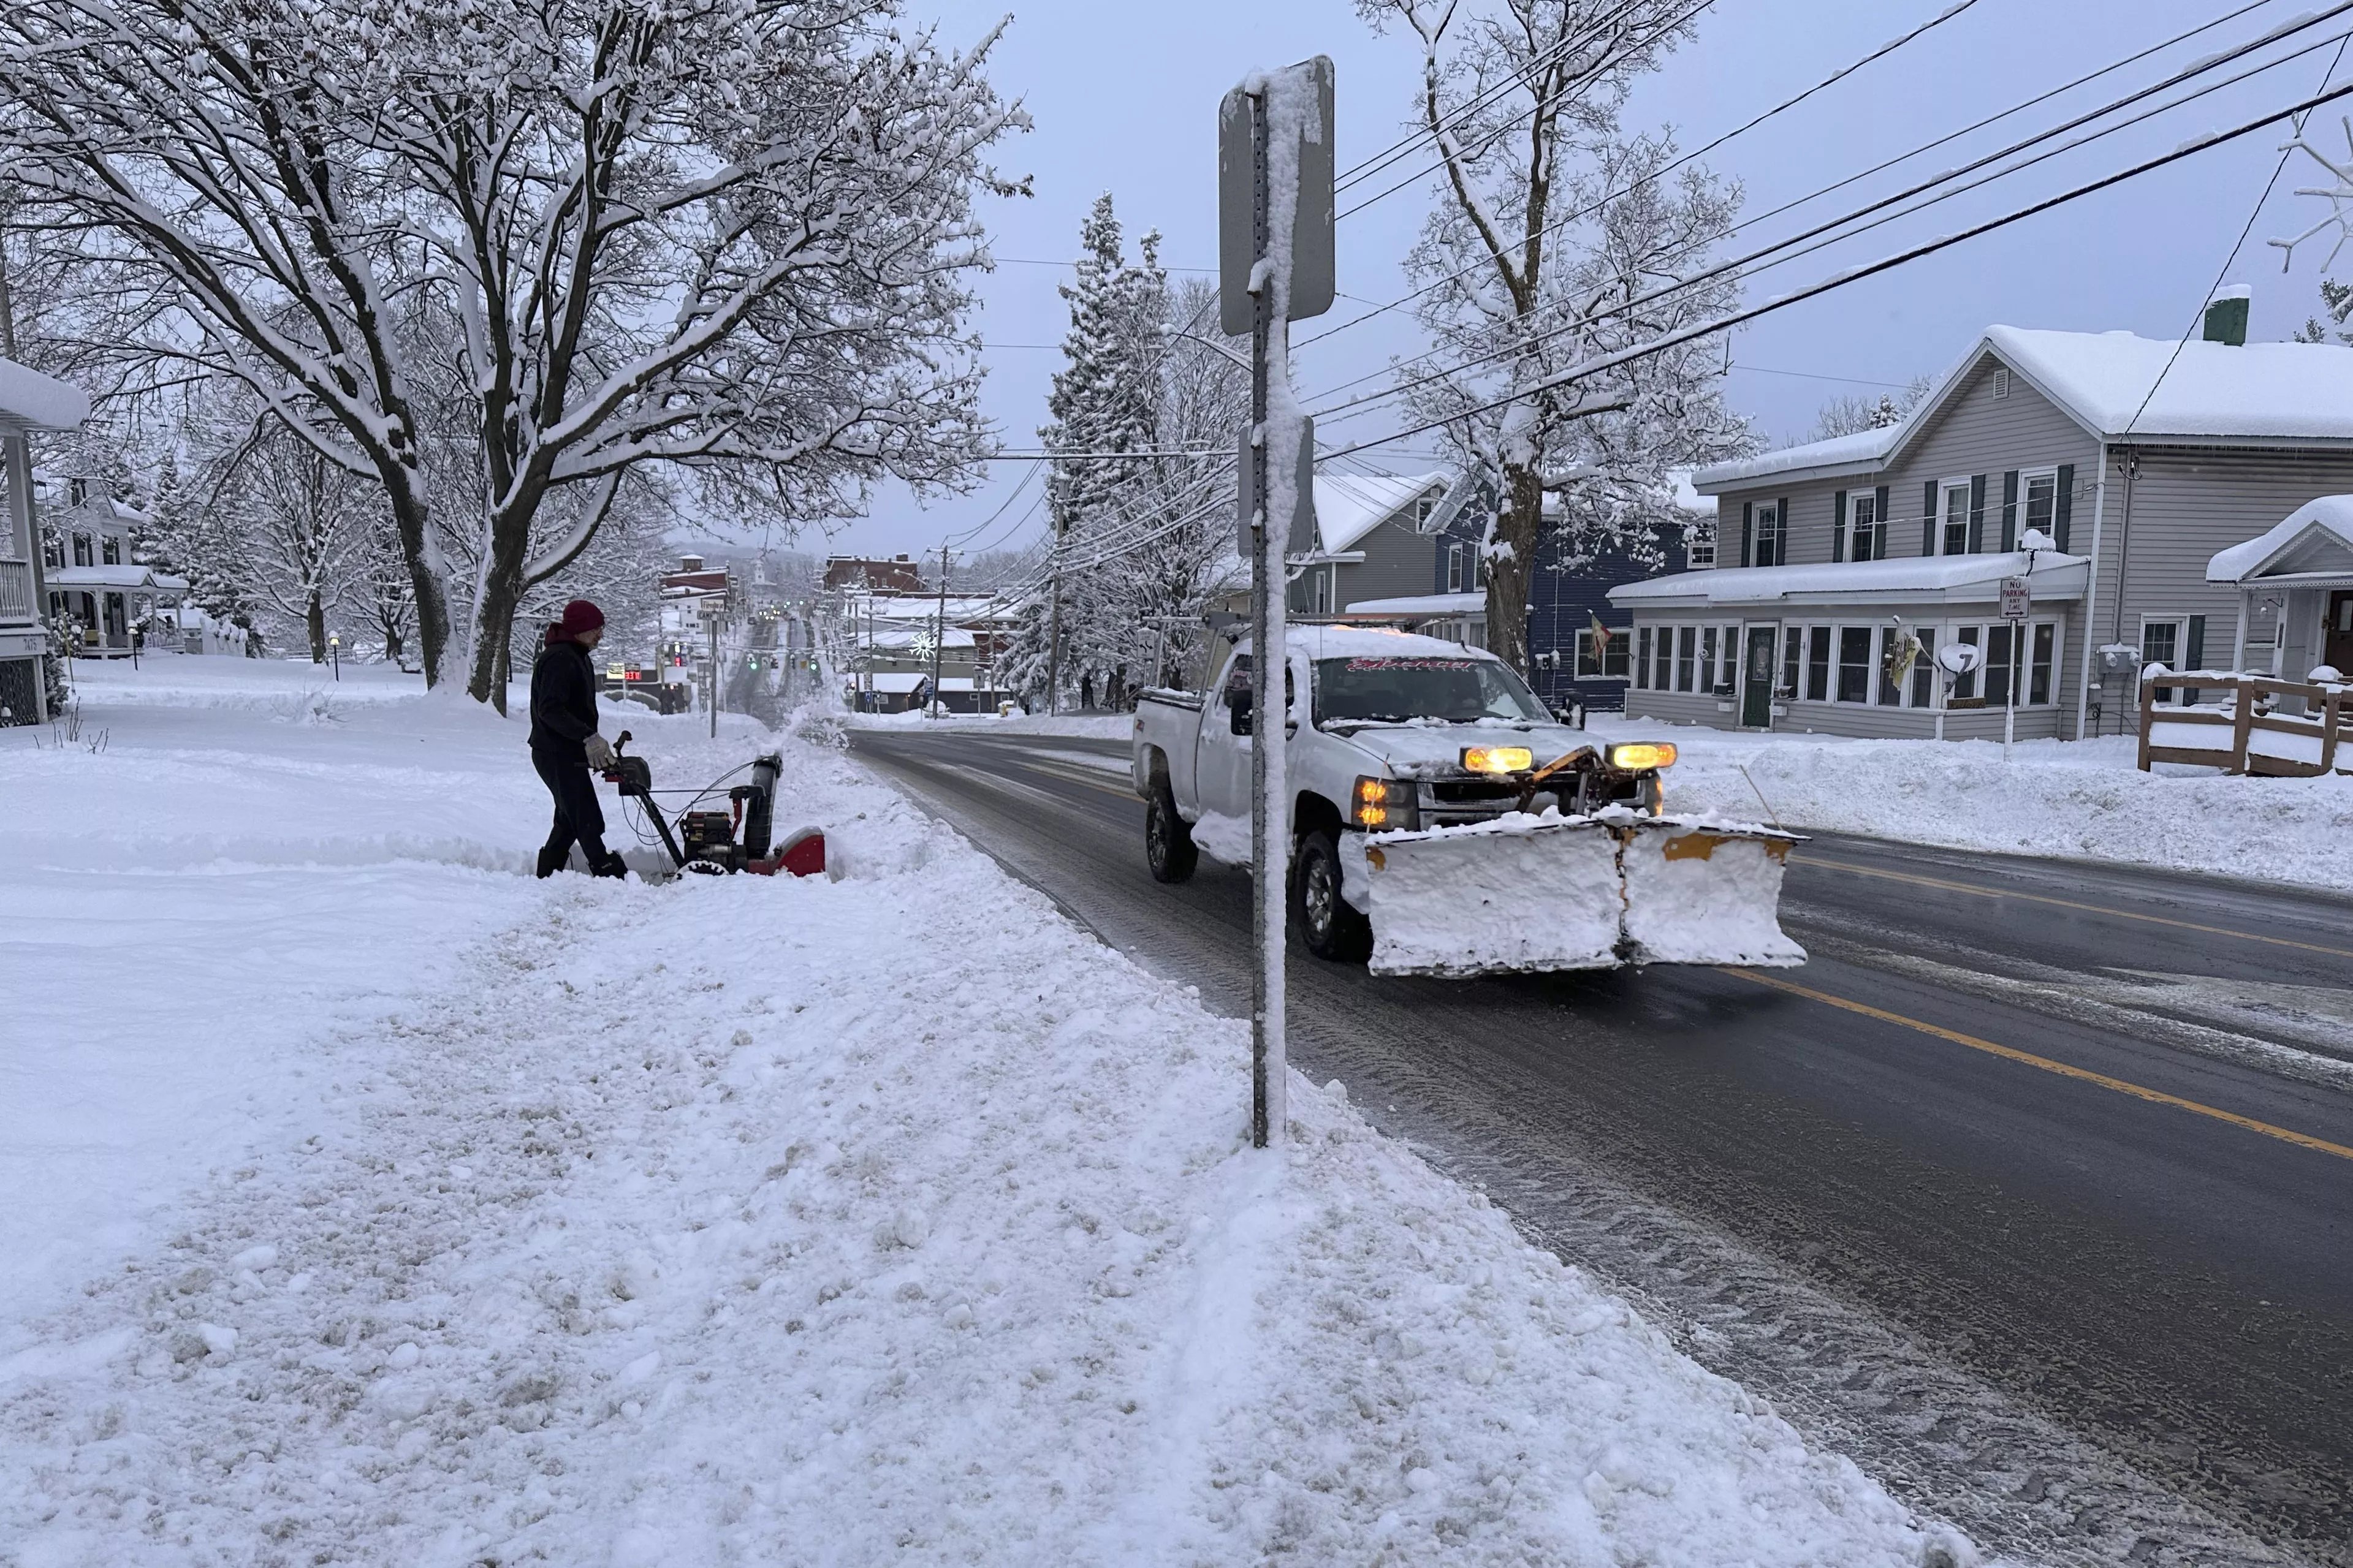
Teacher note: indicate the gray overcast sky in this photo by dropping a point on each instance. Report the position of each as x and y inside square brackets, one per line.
[1125, 96]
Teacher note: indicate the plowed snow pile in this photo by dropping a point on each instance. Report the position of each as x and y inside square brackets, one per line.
[882, 1219]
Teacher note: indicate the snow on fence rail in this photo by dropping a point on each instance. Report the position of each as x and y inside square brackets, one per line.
[2265, 726]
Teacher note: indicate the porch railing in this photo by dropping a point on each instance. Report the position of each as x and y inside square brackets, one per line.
[2270, 727]
[16, 591]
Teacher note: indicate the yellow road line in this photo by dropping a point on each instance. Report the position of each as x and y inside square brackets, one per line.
[2064, 904]
[2083, 1075]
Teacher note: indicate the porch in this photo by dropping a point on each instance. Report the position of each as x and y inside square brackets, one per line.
[1849, 648]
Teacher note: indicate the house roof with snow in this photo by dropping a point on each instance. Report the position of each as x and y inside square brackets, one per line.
[2119, 387]
[1350, 506]
[1926, 579]
[2313, 541]
[31, 401]
[126, 575]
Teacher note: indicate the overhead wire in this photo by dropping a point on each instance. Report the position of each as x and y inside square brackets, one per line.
[1854, 275]
[1847, 226]
[1597, 204]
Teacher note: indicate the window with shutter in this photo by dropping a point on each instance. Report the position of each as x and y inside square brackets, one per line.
[1957, 518]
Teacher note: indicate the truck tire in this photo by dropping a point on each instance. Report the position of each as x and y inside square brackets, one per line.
[1169, 847]
[1329, 925]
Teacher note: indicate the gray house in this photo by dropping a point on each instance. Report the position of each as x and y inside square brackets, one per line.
[1378, 536]
[1844, 564]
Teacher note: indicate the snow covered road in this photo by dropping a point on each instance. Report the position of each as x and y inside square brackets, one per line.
[885, 1219]
[2082, 1323]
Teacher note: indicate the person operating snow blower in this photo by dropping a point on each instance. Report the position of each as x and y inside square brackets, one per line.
[564, 744]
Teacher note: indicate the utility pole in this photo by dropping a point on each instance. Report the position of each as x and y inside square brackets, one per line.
[1275, 265]
[940, 631]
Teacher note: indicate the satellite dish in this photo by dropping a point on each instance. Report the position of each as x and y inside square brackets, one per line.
[1960, 658]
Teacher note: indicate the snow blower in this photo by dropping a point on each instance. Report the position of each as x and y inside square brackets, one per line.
[705, 842]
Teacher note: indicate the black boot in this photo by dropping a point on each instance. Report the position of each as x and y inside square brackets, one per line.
[610, 865]
[552, 860]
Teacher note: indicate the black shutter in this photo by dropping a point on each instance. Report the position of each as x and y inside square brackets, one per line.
[1747, 523]
[1781, 533]
[1879, 518]
[2009, 511]
[2194, 655]
[1928, 518]
[1976, 513]
[2064, 509]
[1838, 526]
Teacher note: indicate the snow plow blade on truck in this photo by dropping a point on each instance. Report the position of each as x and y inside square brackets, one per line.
[1524, 893]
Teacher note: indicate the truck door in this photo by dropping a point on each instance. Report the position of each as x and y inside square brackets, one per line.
[1222, 759]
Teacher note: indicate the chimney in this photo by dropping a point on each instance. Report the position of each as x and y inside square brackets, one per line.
[2226, 315]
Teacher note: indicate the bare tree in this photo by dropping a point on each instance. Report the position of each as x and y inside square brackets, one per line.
[1551, 224]
[1849, 414]
[496, 255]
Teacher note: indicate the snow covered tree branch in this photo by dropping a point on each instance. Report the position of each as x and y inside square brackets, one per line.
[1550, 218]
[495, 253]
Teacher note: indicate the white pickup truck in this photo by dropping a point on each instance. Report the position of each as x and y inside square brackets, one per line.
[1443, 823]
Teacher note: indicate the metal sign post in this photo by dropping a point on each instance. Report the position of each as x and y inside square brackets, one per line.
[2016, 599]
[1276, 260]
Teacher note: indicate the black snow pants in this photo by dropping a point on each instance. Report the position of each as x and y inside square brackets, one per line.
[578, 819]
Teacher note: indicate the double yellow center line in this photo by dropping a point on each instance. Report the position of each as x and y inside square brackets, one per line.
[2027, 1059]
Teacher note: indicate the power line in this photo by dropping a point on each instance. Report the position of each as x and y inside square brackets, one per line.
[1854, 275]
[1816, 194]
[1823, 236]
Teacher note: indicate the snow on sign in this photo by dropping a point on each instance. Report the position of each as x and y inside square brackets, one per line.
[2017, 599]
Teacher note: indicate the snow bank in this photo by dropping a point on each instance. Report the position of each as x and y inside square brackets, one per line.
[2078, 798]
[1099, 726]
[884, 1220]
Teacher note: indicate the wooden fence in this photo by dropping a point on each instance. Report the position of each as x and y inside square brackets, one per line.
[2274, 729]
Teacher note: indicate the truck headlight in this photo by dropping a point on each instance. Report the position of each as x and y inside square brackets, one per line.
[1498, 759]
[1381, 802]
[1639, 756]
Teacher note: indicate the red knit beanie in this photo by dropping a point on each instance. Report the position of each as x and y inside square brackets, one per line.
[579, 616]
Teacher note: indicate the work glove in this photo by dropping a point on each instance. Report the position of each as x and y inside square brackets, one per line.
[600, 752]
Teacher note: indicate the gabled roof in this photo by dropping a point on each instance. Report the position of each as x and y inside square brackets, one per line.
[2315, 538]
[2119, 387]
[1350, 506]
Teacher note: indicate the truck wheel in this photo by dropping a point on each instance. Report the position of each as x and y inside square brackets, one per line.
[1168, 846]
[1329, 923]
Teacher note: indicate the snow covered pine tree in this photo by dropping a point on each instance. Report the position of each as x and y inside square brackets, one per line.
[1138, 542]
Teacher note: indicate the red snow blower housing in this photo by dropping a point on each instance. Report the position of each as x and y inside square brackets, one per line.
[705, 841]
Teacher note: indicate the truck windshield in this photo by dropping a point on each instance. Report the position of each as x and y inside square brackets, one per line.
[1455, 691]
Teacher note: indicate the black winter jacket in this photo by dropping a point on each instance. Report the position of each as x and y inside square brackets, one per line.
[563, 702]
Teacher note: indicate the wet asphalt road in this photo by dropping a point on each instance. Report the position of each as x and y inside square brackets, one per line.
[2034, 1194]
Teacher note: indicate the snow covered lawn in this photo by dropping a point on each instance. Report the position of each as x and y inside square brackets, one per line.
[399, 1209]
[2079, 798]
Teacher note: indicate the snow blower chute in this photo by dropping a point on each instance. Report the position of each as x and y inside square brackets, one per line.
[1613, 886]
[705, 842]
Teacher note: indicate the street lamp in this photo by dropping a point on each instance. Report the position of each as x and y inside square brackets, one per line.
[335, 650]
